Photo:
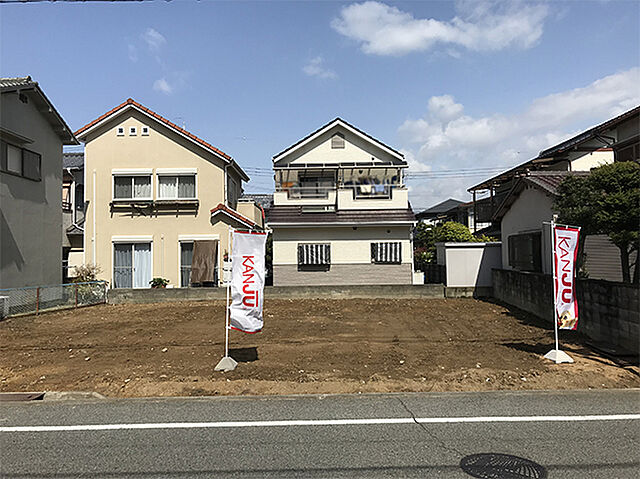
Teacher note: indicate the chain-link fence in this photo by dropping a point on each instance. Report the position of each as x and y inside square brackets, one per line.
[37, 299]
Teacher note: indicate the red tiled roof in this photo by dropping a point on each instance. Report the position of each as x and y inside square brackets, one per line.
[233, 213]
[160, 118]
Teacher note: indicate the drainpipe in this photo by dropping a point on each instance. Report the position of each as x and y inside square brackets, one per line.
[93, 234]
[225, 202]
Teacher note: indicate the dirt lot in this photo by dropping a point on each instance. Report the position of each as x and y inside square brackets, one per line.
[307, 346]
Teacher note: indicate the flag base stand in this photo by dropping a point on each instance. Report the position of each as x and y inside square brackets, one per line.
[558, 356]
[226, 364]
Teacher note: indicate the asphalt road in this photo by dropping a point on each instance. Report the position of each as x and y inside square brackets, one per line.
[399, 435]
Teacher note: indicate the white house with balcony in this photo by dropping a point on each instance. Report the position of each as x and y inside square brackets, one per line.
[341, 214]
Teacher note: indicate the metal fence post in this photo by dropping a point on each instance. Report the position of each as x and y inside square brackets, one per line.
[76, 288]
[37, 299]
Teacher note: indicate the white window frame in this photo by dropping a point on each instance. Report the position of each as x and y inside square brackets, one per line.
[177, 172]
[133, 131]
[133, 240]
[132, 173]
[145, 131]
[192, 239]
[120, 131]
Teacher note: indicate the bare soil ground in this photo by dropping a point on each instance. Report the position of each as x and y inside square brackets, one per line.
[307, 346]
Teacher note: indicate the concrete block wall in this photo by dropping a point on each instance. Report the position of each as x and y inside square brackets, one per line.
[609, 312]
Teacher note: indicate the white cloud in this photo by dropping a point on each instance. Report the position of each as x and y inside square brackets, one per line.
[162, 85]
[133, 52]
[480, 26]
[315, 68]
[153, 38]
[447, 138]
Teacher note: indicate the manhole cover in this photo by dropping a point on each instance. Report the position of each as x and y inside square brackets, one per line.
[501, 466]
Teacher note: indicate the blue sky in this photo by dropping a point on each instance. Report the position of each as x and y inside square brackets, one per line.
[454, 85]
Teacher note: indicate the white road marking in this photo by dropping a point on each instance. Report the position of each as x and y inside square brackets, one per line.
[319, 422]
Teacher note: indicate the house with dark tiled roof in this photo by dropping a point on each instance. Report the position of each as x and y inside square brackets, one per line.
[160, 200]
[526, 238]
[340, 212]
[615, 139]
[519, 200]
[32, 134]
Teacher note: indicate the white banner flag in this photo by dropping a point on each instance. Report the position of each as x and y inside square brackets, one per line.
[247, 281]
[565, 255]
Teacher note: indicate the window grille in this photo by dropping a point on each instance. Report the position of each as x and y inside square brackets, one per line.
[314, 254]
[386, 252]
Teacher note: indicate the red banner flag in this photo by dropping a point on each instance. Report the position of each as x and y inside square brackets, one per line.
[565, 254]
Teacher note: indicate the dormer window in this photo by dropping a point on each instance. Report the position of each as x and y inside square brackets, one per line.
[133, 131]
[120, 131]
[337, 141]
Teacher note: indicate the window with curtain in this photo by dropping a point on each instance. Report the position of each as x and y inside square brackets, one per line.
[131, 187]
[122, 266]
[177, 187]
[131, 265]
[186, 257]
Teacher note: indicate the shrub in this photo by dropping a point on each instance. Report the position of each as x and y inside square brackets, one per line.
[86, 273]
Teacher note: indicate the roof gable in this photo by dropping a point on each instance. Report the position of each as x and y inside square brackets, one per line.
[83, 132]
[43, 104]
[352, 135]
[545, 181]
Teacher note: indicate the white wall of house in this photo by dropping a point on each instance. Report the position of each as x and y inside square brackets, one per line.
[349, 245]
[356, 149]
[469, 264]
[526, 215]
[585, 161]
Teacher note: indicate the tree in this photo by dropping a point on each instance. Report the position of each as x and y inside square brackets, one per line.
[605, 202]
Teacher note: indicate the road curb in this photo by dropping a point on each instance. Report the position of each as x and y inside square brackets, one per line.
[71, 396]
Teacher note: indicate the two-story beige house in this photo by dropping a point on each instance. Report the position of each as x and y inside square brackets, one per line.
[160, 200]
[340, 213]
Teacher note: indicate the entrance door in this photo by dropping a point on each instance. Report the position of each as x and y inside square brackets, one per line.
[131, 265]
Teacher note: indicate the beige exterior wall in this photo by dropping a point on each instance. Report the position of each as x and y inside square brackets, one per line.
[250, 210]
[164, 227]
[30, 211]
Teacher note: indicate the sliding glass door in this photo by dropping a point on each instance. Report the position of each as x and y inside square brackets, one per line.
[131, 265]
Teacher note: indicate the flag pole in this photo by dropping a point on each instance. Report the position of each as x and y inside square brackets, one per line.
[227, 363]
[556, 354]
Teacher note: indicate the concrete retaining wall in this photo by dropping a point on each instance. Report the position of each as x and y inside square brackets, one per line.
[609, 312]
[119, 296]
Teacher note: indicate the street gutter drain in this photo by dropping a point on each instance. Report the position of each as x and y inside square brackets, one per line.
[35, 396]
[501, 466]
